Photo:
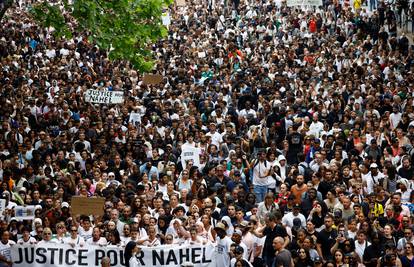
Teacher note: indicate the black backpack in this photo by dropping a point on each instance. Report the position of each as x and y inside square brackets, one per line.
[307, 171]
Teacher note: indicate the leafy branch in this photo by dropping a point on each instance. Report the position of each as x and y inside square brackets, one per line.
[125, 28]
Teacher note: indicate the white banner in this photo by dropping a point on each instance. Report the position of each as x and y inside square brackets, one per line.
[104, 97]
[63, 255]
[190, 153]
[304, 3]
[24, 213]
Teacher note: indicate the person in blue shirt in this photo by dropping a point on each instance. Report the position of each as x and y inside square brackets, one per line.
[149, 169]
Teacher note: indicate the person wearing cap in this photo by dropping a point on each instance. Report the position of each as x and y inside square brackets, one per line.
[223, 243]
[373, 178]
[237, 238]
[239, 255]
[373, 150]
[288, 219]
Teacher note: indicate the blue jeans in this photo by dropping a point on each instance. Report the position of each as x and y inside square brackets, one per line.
[260, 192]
[372, 4]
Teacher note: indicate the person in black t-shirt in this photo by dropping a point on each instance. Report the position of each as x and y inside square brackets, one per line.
[373, 252]
[272, 229]
[295, 140]
[327, 238]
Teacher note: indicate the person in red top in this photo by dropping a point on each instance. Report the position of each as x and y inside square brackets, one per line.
[312, 25]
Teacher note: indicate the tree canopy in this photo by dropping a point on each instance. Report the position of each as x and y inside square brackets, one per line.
[125, 28]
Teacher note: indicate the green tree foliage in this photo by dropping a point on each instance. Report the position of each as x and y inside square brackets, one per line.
[125, 28]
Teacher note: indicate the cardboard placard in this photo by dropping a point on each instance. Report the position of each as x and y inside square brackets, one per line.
[152, 79]
[181, 3]
[88, 206]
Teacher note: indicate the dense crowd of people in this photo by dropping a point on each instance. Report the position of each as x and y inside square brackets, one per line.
[303, 118]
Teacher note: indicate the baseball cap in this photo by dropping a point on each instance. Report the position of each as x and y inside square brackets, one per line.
[220, 226]
[244, 224]
[237, 232]
[373, 165]
[238, 250]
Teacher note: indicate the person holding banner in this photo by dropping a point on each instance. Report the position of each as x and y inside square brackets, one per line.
[47, 237]
[74, 239]
[26, 239]
[5, 249]
[152, 240]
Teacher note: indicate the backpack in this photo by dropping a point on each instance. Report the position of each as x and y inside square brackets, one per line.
[307, 171]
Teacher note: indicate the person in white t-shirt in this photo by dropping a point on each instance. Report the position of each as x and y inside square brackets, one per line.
[5, 249]
[26, 239]
[96, 239]
[223, 243]
[74, 239]
[86, 229]
[216, 138]
[47, 237]
[361, 243]
[288, 219]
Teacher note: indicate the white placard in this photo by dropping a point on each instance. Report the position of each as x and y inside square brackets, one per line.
[190, 153]
[24, 213]
[291, 3]
[104, 97]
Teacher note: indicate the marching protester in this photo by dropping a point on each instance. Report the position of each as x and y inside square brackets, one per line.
[270, 133]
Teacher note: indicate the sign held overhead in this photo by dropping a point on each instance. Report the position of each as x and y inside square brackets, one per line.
[87, 206]
[104, 97]
[152, 79]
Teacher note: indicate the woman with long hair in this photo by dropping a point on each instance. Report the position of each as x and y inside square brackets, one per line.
[131, 250]
[339, 258]
[114, 238]
[303, 259]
